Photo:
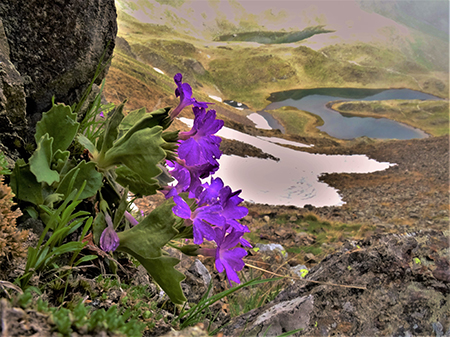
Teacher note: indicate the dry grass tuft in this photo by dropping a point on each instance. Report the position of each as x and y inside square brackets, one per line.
[11, 240]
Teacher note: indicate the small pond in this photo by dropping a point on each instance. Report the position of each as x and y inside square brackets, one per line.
[348, 127]
[294, 179]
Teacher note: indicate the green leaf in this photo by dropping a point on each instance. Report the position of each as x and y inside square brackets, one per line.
[68, 247]
[98, 227]
[53, 198]
[162, 271]
[88, 173]
[83, 140]
[4, 164]
[144, 242]
[111, 128]
[148, 237]
[60, 124]
[149, 121]
[59, 160]
[41, 159]
[165, 177]
[24, 184]
[141, 153]
[141, 119]
[131, 119]
[190, 250]
[120, 210]
[85, 259]
[31, 212]
[137, 185]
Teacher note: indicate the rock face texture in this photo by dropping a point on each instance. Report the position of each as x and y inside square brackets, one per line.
[55, 46]
[13, 120]
[407, 287]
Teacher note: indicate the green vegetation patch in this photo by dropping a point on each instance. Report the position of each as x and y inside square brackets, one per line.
[307, 234]
[297, 122]
[270, 37]
[242, 75]
[430, 116]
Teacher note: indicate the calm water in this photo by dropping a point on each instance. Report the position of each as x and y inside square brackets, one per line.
[294, 179]
[348, 127]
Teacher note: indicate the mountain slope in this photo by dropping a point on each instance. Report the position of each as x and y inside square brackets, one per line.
[365, 50]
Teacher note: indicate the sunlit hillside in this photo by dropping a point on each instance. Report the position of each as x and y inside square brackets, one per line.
[343, 44]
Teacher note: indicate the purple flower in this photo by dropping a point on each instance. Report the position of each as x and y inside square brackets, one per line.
[109, 240]
[184, 91]
[202, 230]
[131, 219]
[188, 177]
[210, 193]
[217, 193]
[231, 211]
[227, 257]
[182, 175]
[101, 114]
[202, 146]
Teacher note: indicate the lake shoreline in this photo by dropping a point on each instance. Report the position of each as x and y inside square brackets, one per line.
[332, 106]
[412, 195]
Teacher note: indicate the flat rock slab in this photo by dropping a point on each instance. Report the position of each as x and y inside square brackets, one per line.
[386, 285]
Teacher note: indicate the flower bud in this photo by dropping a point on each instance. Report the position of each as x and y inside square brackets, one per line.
[131, 219]
[109, 240]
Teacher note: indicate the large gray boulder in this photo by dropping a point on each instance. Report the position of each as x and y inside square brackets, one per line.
[56, 45]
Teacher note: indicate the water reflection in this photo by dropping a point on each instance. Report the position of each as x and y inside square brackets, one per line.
[347, 127]
[291, 181]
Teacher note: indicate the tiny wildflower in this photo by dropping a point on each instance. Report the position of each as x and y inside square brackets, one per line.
[202, 230]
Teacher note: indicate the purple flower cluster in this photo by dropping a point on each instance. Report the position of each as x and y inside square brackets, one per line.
[217, 207]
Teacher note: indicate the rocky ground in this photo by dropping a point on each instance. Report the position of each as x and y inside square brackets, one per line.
[409, 196]
[394, 244]
[379, 265]
[402, 260]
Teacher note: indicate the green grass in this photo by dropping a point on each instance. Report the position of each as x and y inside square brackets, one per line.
[253, 297]
[241, 74]
[141, 71]
[328, 235]
[297, 122]
[78, 317]
[249, 72]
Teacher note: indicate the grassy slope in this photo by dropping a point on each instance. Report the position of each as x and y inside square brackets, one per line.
[249, 72]
[297, 122]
